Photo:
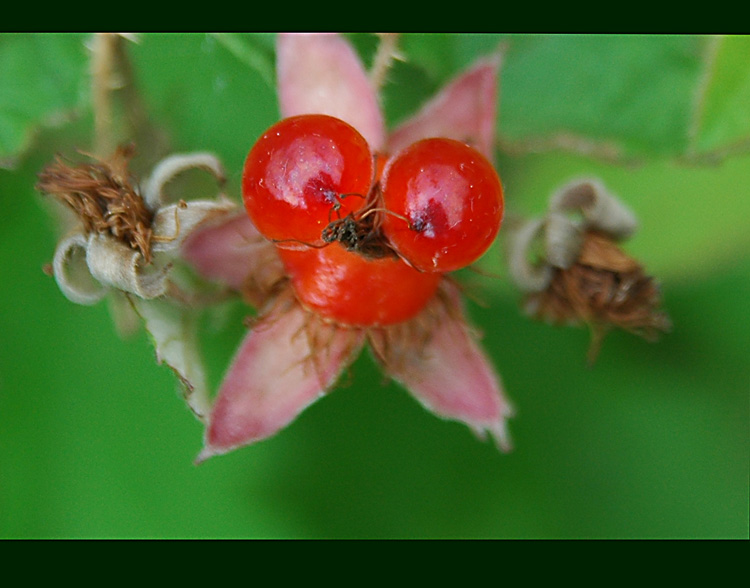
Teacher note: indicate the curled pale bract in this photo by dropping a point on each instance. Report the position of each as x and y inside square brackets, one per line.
[579, 206]
[170, 167]
[87, 263]
[530, 276]
[600, 209]
[71, 271]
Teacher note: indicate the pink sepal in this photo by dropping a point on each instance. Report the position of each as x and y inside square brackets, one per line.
[451, 376]
[464, 110]
[319, 73]
[235, 253]
[288, 360]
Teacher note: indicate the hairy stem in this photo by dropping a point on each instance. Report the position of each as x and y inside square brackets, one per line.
[386, 54]
[112, 78]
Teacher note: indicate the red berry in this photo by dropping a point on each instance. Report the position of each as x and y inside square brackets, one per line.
[447, 204]
[352, 290]
[302, 173]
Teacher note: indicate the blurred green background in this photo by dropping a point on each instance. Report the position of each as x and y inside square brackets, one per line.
[651, 442]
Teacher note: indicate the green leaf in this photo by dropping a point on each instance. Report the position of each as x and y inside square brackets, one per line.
[723, 114]
[633, 93]
[44, 80]
[617, 96]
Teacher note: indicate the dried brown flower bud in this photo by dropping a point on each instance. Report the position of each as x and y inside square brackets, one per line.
[584, 276]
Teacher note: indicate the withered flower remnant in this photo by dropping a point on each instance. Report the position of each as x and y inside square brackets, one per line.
[582, 275]
[125, 237]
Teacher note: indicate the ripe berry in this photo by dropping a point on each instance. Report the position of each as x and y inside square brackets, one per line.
[352, 290]
[446, 202]
[303, 172]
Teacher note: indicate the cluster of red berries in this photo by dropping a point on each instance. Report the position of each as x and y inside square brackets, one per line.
[365, 238]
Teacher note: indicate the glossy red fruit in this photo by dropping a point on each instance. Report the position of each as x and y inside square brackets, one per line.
[303, 172]
[352, 290]
[447, 204]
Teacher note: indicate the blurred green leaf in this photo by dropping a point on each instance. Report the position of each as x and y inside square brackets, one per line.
[614, 96]
[632, 92]
[43, 80]
[723, 118]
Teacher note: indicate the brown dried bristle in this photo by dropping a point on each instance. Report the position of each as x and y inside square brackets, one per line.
[395, 346]
[103, 197]
[605, 287]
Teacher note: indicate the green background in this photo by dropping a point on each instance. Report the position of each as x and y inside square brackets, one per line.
[650, 442]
